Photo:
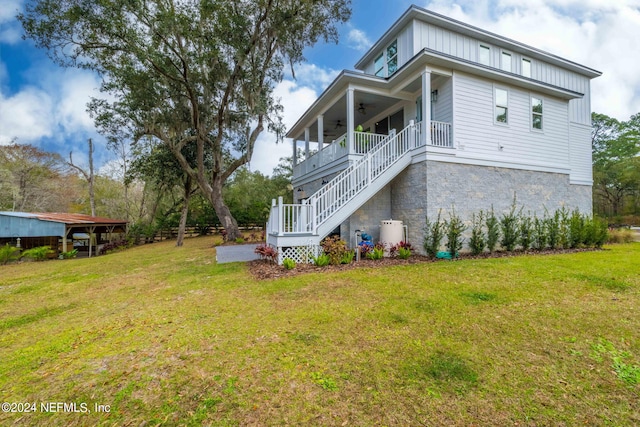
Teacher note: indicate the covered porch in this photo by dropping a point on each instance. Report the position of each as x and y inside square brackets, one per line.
[358, 112]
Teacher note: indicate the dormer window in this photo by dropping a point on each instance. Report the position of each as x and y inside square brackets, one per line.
[387, 62]
[484, 55]
[505, 63]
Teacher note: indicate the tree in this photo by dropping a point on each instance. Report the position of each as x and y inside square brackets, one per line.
[33, 180]
[616, 176]
[198, 73]
[88, 176]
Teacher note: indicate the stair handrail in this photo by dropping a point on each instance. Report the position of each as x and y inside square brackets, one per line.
[359, 175]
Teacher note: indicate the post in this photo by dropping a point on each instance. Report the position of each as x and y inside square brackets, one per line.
[426, 107]
[350, 120]
[295, 153]
[306, 143]
[280, 217]
[320, 138]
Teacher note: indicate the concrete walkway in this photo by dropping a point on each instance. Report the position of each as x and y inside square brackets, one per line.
[236, 253]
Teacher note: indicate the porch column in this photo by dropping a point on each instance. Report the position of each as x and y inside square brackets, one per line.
[306, 143]
[426, 107]
[320, 137]
[350, 120]
[295, 153]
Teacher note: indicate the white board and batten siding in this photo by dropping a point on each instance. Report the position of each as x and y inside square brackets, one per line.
[515, 143]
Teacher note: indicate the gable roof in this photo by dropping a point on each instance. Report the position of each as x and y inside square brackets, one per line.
[415, 12]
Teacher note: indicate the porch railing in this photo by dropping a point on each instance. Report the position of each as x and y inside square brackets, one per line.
[440, 134]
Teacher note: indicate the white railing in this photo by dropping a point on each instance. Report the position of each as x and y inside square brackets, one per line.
[363, 143]
[440, 134]
[345, 186]
[289, 218]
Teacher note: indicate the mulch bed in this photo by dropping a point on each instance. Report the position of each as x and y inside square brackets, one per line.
[265, 269]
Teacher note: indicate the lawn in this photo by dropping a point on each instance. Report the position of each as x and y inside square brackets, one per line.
[159, 335]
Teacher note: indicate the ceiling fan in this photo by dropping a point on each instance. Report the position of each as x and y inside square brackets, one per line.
[361, 109]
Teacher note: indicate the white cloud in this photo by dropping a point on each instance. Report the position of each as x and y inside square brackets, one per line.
[312, 76]
[26, 116]
[358, 40]
[600, 34]
[10, 30]
[295, 98]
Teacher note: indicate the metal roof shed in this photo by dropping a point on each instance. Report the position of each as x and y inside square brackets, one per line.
[15, 225]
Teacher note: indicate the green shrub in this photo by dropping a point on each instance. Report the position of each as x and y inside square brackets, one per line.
[69, 254]
[576, 229]
[433, 234]
[239, 240]
[376, 253]
[540, 234]
[564, 228]
[404, 253]
[493, 230]
[525, 231]
[347, 258]
[289, 264]
[509, 228]
[8, 253]
[455, 227]
[477, 241]
[39, 253]
[321, 260]
[552, 228]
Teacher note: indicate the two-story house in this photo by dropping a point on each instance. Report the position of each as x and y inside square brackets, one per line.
[439, 115]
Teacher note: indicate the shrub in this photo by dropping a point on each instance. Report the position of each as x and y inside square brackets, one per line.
[240, 240]
[404, 253]
[539, 238]
[477, 241]
[564, 228]
[335, 248]
[289, 264]
[509, 228]
[455, 227]
[525, 231]
[552, 228]
[394, 251]
[8, 253]
[493, 230]
[69, 254]
[116, 245]
[347, 258]
[433, 234]
[620, 235]
[376, 253]
[576, 229]
[321, 260]
[267, 252]
[39, 253]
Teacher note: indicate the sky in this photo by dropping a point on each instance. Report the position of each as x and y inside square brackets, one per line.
[45, 105]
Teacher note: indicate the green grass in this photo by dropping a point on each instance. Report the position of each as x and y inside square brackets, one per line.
[165, 336]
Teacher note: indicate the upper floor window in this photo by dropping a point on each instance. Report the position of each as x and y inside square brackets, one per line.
[392, 58]
[387, 62]
[536, 113]
[526, 67]
[501, 106]
[484, 55]
[379, 65]
[505, 62]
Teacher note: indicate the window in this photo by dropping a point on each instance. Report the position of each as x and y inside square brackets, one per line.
[392, 58]
[526, 67]
[502, 106]
[536, 113]
[506, 62]
[379, 66]
[484, 55]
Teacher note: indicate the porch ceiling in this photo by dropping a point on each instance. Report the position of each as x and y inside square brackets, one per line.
[335, 117]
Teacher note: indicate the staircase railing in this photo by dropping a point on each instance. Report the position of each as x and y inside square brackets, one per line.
[358, 176]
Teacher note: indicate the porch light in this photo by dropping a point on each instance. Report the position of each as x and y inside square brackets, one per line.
[434, 95]
[361, 109]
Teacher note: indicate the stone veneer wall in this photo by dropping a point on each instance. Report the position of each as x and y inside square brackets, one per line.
[417, 192]
[368, 217]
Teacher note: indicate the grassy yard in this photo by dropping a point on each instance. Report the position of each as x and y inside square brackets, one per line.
[163, 335]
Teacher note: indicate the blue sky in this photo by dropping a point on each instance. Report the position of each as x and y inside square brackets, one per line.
[44, 105]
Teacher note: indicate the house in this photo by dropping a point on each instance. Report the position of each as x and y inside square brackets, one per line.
[439, 114]
[57, 230]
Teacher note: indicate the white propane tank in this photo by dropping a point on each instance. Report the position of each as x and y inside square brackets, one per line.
[391, 233]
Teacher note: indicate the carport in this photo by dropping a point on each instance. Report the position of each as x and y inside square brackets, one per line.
[27, 230]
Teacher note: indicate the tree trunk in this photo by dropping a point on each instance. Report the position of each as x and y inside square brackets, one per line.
[222, 211]
[185, 211]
